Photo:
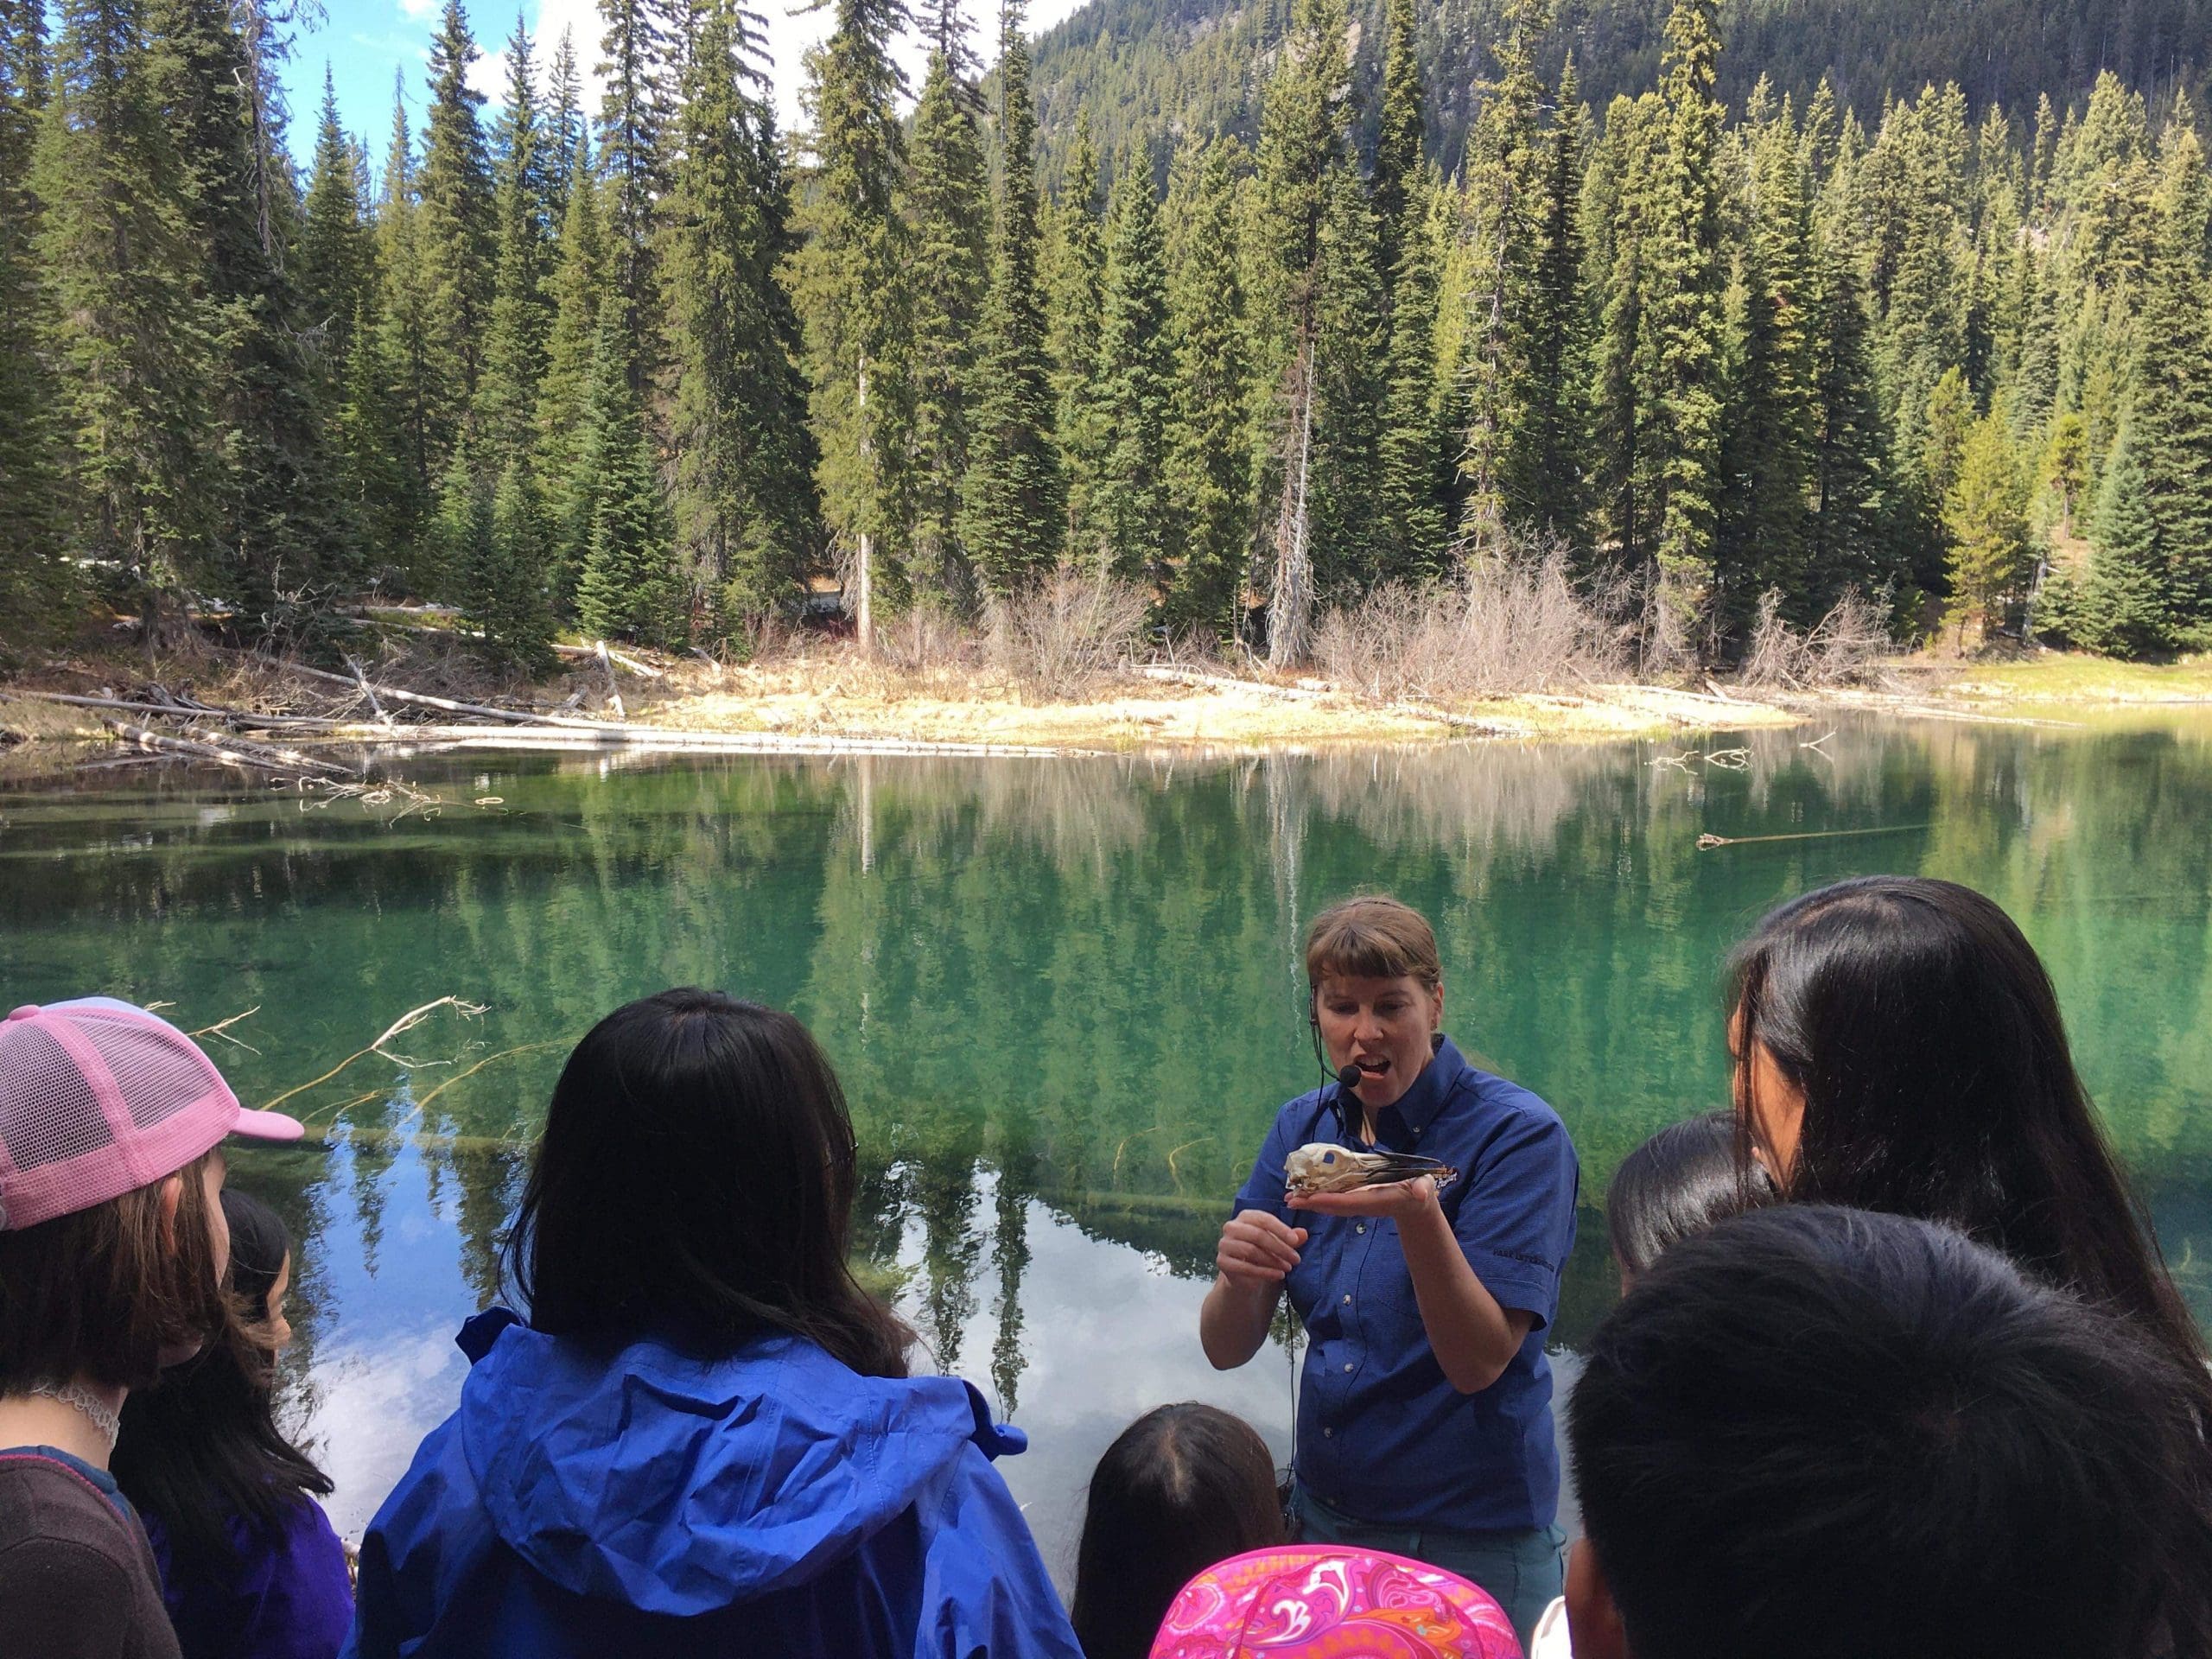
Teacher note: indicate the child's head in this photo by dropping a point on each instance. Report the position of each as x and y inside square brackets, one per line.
[1829, 1434]
[204, 1447]
[1679, 1183]
[1185, 1486]
[261, 1267]
[694, 1182]
[112, 1242]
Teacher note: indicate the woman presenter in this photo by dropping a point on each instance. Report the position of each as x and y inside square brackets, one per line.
[1424, 1424]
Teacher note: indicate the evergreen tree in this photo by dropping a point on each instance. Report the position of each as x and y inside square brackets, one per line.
[743, 492]
[1766, 422]
[1679, 358]
[417, 430]
[637, 53]
[337, 256]
[1547, 454]
[514, 354]
[463, 523]
[1847, 526]
[627, 588]
[1394, 183]
[1075, 285]
[566, 129]
[37, 584]
[1418, 448]
[2172, 375]
[369, 445]
[1305, 129]
[1014, 497]
[848, 281]
[1350, 386]
[578, 284]
[1618, 199]
[1137, 372]
[130, 345]
[2123, 608]
[502, 587]
[271, 525]
[1209, 458]
[1507, 173]
[948, 205]
[457, 228]
[1985, 513]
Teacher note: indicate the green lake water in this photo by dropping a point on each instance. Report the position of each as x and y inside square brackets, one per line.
[1063, 996]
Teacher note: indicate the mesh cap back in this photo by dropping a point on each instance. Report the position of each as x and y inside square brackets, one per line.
[99, 1098]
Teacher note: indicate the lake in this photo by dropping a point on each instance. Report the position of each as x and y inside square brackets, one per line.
[1064, 997]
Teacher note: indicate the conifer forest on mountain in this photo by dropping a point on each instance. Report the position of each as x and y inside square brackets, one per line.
[1252, 315]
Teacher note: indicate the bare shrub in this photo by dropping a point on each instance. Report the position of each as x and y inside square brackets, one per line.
[922, 638]
[1067, 632]
[1845, 647]
[1515, 622]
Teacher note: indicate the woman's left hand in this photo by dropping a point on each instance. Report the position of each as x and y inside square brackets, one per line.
[1400, 1200]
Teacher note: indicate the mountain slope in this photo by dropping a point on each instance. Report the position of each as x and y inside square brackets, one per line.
[1148, 70]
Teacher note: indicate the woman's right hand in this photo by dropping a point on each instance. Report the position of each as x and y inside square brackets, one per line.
[1256, 1250]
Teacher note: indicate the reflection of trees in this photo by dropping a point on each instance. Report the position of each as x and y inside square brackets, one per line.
[1084, 975]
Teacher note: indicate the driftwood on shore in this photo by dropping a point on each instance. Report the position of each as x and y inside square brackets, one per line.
[250, 756]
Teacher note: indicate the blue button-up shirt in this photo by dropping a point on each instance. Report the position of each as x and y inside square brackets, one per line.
[1382, 1435]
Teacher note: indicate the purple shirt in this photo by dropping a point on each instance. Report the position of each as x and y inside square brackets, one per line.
[289, 1597]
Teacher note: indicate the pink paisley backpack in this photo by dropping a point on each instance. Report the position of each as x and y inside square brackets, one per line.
[1317, 1601]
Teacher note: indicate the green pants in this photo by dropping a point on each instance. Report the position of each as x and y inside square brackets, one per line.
[1522, 1570]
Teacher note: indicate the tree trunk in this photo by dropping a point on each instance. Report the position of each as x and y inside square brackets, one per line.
[1290, 607]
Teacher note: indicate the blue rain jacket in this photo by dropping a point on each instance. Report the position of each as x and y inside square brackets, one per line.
[771, 1503]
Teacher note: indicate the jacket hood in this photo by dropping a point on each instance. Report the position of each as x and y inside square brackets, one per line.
[680, 1485]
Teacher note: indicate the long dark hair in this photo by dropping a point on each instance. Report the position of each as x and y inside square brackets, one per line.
[203, 1447]
[1927, 1038]
[694, 1182]
[1828, 1434]
[1678, 1182]
[1185, 1486]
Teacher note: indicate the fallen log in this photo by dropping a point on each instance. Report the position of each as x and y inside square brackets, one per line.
[603, 738]
[261, 759]
[175, 711]
[643, 670]
[451, 705]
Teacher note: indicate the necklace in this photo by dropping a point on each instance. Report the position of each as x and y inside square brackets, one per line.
[86, 1404]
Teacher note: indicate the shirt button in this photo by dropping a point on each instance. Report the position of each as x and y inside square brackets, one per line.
[1328, 1434]
[1347, 1297]
[1359, 1227]
[1347, 1364]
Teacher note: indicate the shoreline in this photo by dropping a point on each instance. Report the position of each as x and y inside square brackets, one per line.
[835, 702]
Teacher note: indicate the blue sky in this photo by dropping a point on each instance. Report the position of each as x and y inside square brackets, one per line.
[365, 42]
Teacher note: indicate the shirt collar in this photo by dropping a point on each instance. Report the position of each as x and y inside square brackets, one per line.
[1435, 1085]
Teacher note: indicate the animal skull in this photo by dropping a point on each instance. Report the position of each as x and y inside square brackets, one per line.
[1321, 1167]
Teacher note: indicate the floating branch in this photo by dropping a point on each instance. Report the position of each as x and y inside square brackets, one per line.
[1706, 843]
[400, 1027]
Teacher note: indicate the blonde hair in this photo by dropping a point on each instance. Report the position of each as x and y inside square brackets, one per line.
[1372, 936]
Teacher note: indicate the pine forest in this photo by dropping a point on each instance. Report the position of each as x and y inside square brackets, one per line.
[618, 358]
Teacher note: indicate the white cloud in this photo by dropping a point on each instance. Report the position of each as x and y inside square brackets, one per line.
[418, 9]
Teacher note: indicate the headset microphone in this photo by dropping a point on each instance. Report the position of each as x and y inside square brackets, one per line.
[1347, 1081]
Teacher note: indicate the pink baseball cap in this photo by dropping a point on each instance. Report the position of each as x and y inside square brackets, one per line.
[98, 1099]
[1316, 1601]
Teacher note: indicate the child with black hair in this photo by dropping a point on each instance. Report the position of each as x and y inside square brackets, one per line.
[250, 1567]
[1673, 1186]
[1833, 1434]
[1183, 1487]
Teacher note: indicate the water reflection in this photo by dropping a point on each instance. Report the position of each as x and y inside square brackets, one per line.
[1064, 997]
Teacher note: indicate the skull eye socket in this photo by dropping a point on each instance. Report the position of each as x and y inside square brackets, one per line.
[1328, 1157]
